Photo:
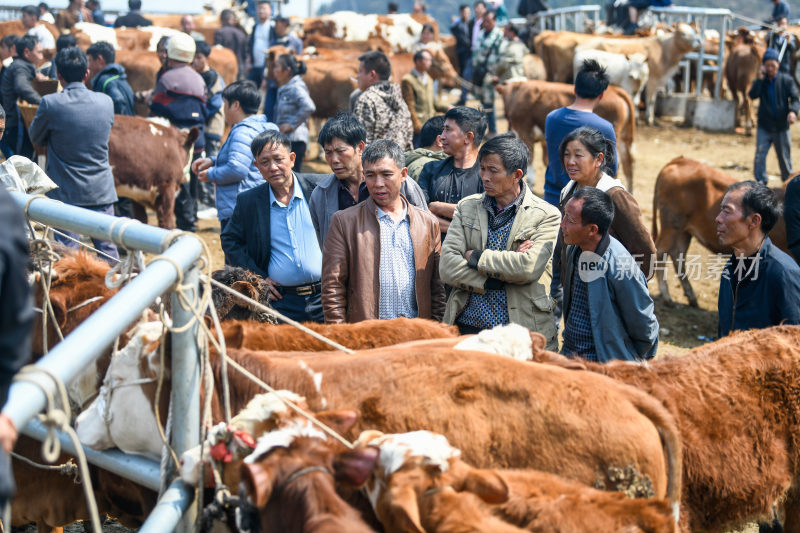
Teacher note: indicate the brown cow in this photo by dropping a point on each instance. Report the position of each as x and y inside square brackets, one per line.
[15, 27]
[528, 103]
[741, 68]
[735, 401]
[150, 181]
[323, 42]
[686, 200]
[402, 32]
[419, 483]
[557, 49]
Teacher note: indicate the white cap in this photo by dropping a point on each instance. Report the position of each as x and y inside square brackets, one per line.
[181, 47]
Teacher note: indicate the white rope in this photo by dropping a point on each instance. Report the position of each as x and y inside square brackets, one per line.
[56, 418]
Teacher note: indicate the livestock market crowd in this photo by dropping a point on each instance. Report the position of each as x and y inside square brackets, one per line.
[426, 231]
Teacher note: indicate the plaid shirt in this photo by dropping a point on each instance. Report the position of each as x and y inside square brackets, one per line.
[397, 270]
[578, 337]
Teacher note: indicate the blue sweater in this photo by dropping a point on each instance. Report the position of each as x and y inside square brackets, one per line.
[233, 171]
[559, 124]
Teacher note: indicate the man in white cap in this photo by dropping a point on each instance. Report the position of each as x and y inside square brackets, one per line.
[179, 96]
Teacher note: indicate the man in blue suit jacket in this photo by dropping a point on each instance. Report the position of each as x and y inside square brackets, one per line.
[75, 125]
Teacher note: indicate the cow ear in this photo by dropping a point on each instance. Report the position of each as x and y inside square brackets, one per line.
[538, 343]
[234, 334]
[486, 485]
[340, 420]
[403, 509]
[257, 483]
[246, 288]
[354, 467]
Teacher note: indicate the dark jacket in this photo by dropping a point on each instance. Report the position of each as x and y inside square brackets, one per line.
[460, 31]
[791, 214]
[769, 296]
[180, 97]
[133, 19]
[75, 125]
[435, 171]
[16, 84]
[235, 39]
[246, 239]
[113, 81]
[785, 100]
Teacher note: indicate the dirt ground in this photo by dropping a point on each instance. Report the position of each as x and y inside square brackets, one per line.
[682, 327]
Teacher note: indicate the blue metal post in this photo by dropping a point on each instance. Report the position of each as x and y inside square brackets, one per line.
[170, 508]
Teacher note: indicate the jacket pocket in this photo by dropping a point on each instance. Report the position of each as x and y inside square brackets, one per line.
[544, 303]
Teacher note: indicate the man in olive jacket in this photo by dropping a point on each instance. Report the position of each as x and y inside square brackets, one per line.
[498, 251]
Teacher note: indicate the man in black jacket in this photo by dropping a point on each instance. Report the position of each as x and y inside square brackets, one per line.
[777, 110]
[463, 34]
[109, 78]
[133, 18]
[16, 85]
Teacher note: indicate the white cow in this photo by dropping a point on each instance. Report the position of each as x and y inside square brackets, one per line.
[629, 72]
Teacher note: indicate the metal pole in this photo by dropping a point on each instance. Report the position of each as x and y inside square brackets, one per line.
[170, 508]
[721, 57]
[186, 383]
[701, 56]
[89, 340]
[138, 469]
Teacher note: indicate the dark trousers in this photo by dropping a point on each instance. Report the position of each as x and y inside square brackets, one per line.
[256, 75]
[783, 149]
[108, 248]
[300, 308]
[269, 103]
[186, 203]
[466, 73]
[299, 149]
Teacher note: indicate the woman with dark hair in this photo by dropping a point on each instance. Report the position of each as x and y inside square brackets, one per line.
[587, 155]
[294, 104]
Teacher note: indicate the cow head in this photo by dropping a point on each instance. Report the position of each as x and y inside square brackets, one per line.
[441, 67]
[416, 480]
[273, 53]
[687, 37]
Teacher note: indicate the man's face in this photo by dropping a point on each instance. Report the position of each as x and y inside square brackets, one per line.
[424, 63]
[453, 139]
[384, 180]
[187, 23]
[281, 28]
[161, 51]
[465, 13]
[497, 182]
[732, 226]
[275, 163]
[263, 11]
[488, 22]
[364, 78]
[480, 10]
[29, 21]
[34, 55]
[96, 64]
[200, 61]
[572, 224]
[771, 68]
[344, 160]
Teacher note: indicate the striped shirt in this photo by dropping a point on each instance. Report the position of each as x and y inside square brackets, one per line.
[397, 274]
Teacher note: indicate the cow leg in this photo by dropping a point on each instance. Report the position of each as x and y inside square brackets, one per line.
[139, 211]
[678, 254]
[663, 289]
[626, 161]
[749, 118]
[165, 207]
[42, 527]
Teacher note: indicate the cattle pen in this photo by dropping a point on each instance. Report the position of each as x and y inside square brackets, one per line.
[174, 267]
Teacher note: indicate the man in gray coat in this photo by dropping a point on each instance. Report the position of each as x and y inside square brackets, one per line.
[343, 139]
[75, 125]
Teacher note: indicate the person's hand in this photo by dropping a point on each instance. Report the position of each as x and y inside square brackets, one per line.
[201, 164]
[525, 246]
[273, 291]
[468, 254]
[42, 77]
[203, 176]
[791, 117]
[8, 433]
[285, 128]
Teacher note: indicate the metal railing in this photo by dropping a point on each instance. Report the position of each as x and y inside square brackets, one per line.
[93, 336]
[706, 19]
[566, 18]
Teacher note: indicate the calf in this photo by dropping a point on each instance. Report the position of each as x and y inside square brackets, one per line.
[528, 103]
[741, 68]
[418, 483]
[735, 401]
[629, 72]
[154, 180]
[686, 200]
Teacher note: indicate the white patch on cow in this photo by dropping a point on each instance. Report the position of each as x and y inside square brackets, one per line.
[404, 34]
[396, 449]
[91, 426]
[159, 120]
[262, 407]
[284, 437]
[190, 466]
[156, 32]
[98, 33]
[511, 340]
[352, 26]
[83, 387]
[154, 130]
[538, 133]
[316, 377]
[146, 197]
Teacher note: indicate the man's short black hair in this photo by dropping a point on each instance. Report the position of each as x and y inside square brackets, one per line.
[479, 2]
[104, 50]
[469, 119]
[26, 42]
[418, 54]
[591, 80]
[227, 16]
[758, 198]
[345, 126]
[598, 208]
[246, 93]
[31, 11]
[71, 64]
[432, 127]
[377, 61]
[202, 47]
[268, 138]
[10, 41]
[134, 5]
[65, 41]
[381, 149]
[43, 5]
[392, 7]
[462, 7]
[512, 151]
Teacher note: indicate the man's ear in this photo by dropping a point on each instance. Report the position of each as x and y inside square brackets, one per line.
[469, 136]
[755, 221]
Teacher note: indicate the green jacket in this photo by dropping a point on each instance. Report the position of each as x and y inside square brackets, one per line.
[526, 275]
[418, 158]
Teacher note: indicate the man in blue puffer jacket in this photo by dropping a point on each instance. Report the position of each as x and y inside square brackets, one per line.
[232, 170]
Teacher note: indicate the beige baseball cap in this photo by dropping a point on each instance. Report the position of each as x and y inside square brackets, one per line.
[181, 47]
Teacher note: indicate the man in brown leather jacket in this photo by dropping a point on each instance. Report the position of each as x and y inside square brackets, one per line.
[381, 256]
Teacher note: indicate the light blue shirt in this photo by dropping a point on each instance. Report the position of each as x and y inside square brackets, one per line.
[398, 296]
[296, 256]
